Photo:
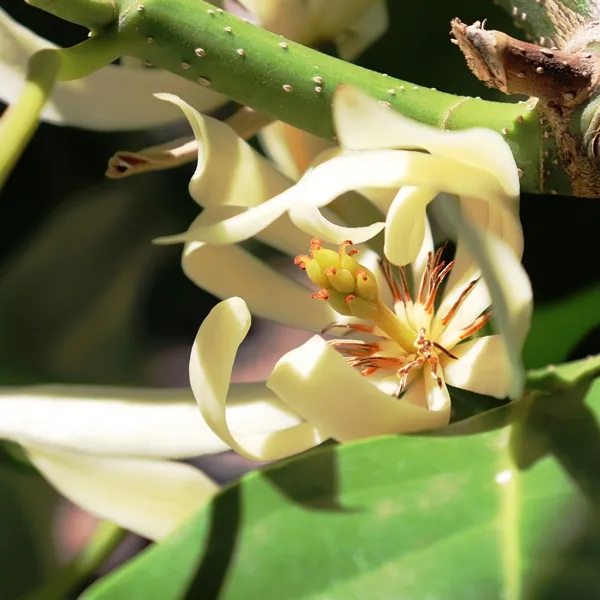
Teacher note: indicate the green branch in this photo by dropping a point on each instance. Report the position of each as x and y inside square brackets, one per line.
[292, 83]
[45, 68]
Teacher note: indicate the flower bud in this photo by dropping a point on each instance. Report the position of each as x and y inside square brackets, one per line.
[350, 288]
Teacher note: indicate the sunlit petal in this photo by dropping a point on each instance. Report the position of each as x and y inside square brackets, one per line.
[482, 367]
[509, 286]
[134, 422]
[229, 170]
[211, 362]
[149, 497]
[362, 124]
[316, 382]
[228, 270]
[405, 224]
[327, 181]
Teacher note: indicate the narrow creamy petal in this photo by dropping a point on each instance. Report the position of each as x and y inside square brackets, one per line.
[282, 234]
[318, 384]
[149, 497]
[405, 224]
[327, 181]
[113, 98]
[419, 263]
[482, 367]
[362, 124]
[150, 423]
[308, 218]
[509, 287]
[438, 397]
[211, 362]
[500, 219]
[228, 270]
[291, 149]
[229, 170]
[225, 271]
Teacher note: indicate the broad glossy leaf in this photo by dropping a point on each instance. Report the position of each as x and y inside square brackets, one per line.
[500, 514]
[556, 328]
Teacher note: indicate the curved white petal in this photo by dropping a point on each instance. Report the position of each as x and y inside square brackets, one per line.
[405, 224]
[148, 423]
[499, 219]
[229, 170]
[308, 218]
[482, 367]
[282, 234]
[318, 384]
[362, 124]
[149, 497]
[211, 362]
[419, 264]
[228, 270]
[327, 181]
[509, 286]
[112, 98]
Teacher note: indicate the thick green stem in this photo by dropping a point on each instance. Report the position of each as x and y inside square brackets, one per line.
[294, 83]
[290, 82]
[20, 121]
[93, 14]
[105, 540]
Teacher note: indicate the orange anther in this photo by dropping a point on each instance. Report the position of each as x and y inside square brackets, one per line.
[320, 295]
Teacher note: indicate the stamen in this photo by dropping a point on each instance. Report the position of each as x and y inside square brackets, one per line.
[349, 326]
[343, 246]
[404, 372]
[315, 244]
[386, 267]
[320, 295]
[375, 363]
[300, 261]
[354, 348]
[404, 282]
[463, 296]
[446, 352]
[425, 278]
[477, 324]
[439, 277]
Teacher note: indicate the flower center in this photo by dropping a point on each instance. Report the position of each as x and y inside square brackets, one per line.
[352, 290]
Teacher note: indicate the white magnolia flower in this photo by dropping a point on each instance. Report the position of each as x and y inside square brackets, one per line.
[121, 97]
[395, 382]
[411, 165]
[112, 451]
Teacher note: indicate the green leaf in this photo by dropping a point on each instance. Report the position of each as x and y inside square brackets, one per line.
[444, 515]
[559, 378]
[556, 328]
